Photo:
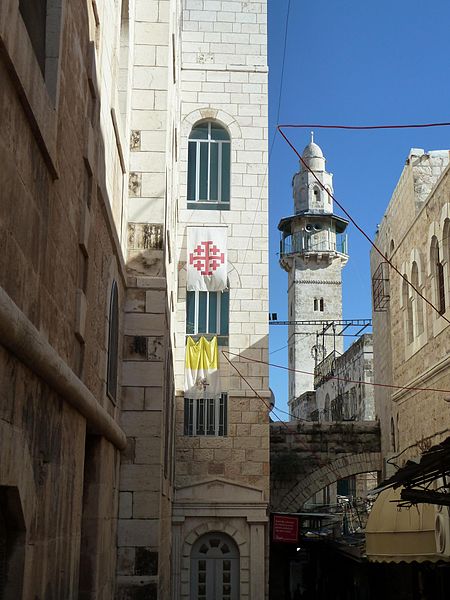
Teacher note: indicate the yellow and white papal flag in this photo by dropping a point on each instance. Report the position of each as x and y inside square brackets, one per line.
[201, 372]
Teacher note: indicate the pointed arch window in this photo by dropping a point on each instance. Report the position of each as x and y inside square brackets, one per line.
[408, 308]
[418, 301]
[209, 167]
[113, 343]
[437, 272]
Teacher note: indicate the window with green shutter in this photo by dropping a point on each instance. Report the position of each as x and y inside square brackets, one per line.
[209, 167]
[207, 313]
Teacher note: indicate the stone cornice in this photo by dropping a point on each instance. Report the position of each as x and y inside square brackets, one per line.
[422, 379]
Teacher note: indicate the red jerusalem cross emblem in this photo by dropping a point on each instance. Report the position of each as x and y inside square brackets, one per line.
[206, 258]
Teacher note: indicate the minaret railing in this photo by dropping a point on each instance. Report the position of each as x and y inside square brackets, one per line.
[299, 243]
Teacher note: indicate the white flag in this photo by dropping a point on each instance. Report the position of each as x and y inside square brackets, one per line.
[206, 259]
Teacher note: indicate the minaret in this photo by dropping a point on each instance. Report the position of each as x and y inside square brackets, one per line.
[313, 251]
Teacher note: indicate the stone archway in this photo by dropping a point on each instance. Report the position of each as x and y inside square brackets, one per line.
[340, 468]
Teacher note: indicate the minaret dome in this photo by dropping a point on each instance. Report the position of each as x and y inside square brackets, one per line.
[313, 156]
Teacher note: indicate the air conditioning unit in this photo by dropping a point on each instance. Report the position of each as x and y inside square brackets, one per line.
[442, 531]
[442, 524]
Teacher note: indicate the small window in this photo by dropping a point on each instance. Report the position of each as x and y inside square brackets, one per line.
[206, 416]
[438, 275]
[321, 305]
[408, 308]
[113, 343]
[208, 313]
[209, 167]
[316, 304]
[42, 19]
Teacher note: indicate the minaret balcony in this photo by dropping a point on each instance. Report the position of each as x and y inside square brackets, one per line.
[302, 243]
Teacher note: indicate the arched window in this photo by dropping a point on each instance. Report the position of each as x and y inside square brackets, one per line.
[437, 272]
[391, 248]
[418, 301]
[215, 568]
[317, 194]
[209, 167]
[408, 309]
[446, 253]
[113, 343]
[326, 410]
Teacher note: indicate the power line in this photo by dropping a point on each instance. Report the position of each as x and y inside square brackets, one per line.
[337, 378]
[347, 214]
[286, 30]
[363, 127]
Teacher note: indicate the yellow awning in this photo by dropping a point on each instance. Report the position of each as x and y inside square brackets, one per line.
[395, 534]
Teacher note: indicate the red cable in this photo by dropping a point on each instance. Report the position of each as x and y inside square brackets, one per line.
[347, 214]
[364, 127]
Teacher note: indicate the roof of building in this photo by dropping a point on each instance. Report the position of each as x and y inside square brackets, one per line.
[285, 224]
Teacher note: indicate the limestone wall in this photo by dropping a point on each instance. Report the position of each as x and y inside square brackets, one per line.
[60, 228]
[224, 78]
[413, 420]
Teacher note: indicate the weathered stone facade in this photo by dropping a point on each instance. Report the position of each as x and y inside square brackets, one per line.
[306, 457]
[411, 337]
[222, 482]
[343, 384]
[60, 253]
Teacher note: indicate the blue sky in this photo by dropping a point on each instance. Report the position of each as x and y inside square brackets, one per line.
[352, 62]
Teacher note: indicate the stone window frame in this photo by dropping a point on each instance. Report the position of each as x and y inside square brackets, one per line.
[217, 136]
[220, 526]
[411, 303]
[49, 60]
[206, 417]
[219, 116]
[438, 230]
[40, 109]
[407, 309]
[113, 343]
[222, 315]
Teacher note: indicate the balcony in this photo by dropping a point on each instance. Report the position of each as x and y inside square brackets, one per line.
[302, 242]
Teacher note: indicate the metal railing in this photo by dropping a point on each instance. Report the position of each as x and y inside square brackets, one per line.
[302, 242]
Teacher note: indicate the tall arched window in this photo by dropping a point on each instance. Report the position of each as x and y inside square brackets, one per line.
[418, 301]
[408, 309]
[326, 410]
[215, 568]
[446, 256]
[437, 273]
[209, 167]
[113, 343]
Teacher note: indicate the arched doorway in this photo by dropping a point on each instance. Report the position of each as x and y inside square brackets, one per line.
[214, 568]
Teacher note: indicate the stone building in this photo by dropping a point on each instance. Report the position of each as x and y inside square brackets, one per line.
[222, 480]
[411, 337]
[62, 291]
[341, 382]
[104, 104]
[313, 251]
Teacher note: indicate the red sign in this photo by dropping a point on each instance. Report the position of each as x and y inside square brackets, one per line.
[285, 529]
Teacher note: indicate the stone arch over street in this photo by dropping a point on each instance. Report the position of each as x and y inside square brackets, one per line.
[340, 468]
[306, 457]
